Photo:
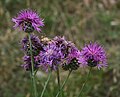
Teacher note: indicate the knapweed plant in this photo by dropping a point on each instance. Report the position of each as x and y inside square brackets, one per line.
[51, 54]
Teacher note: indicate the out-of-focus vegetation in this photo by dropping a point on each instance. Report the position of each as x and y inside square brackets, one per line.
[79, 21]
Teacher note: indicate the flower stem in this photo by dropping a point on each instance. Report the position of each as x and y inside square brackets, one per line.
[63, 84]
[58, 78]
[85, 82]
[32, 70]
[46, 84]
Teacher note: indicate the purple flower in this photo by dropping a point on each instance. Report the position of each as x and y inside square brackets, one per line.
[93, 55]
[63, 44]
[71, 61]
[49, 57]
[36, 45]
[73, 52]
[27, 63]
[69, 53]
[28, 21]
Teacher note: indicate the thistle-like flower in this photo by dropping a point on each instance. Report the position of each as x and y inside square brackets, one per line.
[93, 55]
[50, 57]
[63, 44]
[36, 45]
[71, 61]
[28, 21]
[27, 63]
[69, 53]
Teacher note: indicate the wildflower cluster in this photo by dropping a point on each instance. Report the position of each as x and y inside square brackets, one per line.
[59, 51]
[50, 54]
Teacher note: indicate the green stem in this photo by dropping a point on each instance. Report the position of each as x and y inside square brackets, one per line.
[63, 84]
[32, 71]
[46, 83]
[85, 82]
[58, 78]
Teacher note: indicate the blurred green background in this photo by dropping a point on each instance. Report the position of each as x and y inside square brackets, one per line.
[80, 21]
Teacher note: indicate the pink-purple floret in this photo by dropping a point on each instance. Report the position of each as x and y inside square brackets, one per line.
[30, 16]
[36, 43]
[94, 52]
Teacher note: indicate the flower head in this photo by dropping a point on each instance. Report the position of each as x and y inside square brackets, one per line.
[28, 21]
[27, 63]
[93, 55]
[71, 61]
[36, 45]
[49, 57]
[69, 53]
[63, 44]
